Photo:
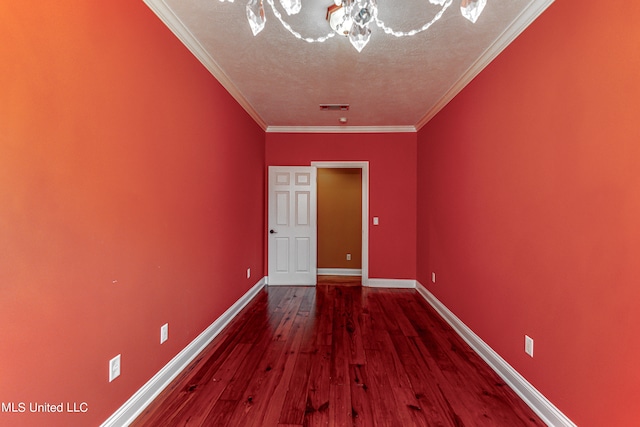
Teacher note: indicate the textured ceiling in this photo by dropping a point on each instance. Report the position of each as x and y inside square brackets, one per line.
[394, 84]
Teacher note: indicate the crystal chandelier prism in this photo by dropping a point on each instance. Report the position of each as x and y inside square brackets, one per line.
[351, 18]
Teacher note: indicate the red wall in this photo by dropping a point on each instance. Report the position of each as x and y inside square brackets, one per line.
[392, 188]
[529, 208]
[131, 194]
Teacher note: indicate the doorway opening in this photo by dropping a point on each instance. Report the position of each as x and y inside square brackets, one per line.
[343, 221]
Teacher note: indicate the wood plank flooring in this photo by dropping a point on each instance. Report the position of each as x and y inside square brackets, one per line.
[336, 355]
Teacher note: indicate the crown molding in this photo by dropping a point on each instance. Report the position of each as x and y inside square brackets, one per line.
[341, 129]
[177, 27]
[528, 15]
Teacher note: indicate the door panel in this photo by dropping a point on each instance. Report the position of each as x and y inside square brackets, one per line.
[302, 256]
[282, 254]
[292, 237]
[303, 200]
[282, 208]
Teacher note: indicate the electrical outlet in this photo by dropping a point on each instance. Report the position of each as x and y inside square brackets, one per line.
[164, 333]
[528, 345]
[433, 277]
[114, 368]
[348, 257]
[248, 273]
[376, 221]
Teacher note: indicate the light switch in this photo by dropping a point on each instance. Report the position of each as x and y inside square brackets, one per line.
[375, 220]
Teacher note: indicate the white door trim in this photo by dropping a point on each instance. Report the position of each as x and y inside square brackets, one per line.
[365, 207]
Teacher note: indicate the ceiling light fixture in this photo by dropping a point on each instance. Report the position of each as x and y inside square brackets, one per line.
[352, 18]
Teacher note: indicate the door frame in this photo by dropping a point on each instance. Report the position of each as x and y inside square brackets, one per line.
[364, 166]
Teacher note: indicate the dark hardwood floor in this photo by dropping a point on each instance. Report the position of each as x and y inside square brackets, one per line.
[336, 355]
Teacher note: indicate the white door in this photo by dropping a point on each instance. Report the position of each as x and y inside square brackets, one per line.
[292, 225]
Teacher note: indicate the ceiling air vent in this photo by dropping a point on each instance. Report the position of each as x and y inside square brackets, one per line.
[334, 107]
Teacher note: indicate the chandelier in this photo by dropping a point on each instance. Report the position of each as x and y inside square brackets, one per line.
[352, 18]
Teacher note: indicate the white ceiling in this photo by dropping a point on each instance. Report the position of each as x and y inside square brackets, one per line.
[394, 84]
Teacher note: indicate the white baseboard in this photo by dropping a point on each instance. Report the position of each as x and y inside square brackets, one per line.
[339, 272]
[532, 397]
[391, 283]
[128, 412]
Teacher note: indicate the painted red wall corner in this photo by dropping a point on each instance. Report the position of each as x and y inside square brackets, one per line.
[131, 194]
[529, 204]
[392, 188]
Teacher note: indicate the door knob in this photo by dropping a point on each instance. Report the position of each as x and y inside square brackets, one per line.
[272, 231]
